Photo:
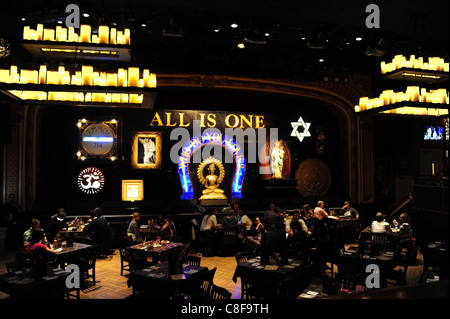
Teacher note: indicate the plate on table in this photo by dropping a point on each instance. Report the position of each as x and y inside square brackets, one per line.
[165, 241]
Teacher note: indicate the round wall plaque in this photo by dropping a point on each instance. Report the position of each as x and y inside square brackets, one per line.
[91, 180]
[313, 178]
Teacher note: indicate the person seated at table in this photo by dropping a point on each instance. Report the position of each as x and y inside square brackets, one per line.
[297, 221]
[134, 226]
[379, 225]
[245, 223]
[307, 214]
[405, 233]
[39, 253]
[274, 241]
[348, 211]
[229, 220]
[56, 224]
[297, 242]
[98, 229]
[208, 232]
[270, 215]
[319, 212]
[35, 225]
[166, 227]
[257, 227]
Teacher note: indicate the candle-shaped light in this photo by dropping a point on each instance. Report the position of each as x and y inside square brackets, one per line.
[26, 33]
[49, 35]
[85, 33]
[87, 72]
[113, 35]
[40, 32]
[103, 34]
[432, 169]
[146, 77]
[120, 37]
[127, 36]
[15, 78]
[4, 76]
[58, 33]
[152, 80]
[133, 76]
[111, 79]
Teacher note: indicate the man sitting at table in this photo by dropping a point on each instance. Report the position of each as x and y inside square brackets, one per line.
[99, 231]
[166, 227]
[274, 241]
[348, 211]
[379, 225]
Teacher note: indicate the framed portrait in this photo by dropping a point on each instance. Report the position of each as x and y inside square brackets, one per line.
[146, 150]
[132, 190]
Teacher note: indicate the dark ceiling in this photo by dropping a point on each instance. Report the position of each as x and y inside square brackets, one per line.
[300, 33]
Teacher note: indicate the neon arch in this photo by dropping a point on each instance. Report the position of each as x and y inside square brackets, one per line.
[211, 138]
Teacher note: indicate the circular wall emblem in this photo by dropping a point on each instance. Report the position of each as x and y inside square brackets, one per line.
[91, 180]
[98, 139]
[313, 178]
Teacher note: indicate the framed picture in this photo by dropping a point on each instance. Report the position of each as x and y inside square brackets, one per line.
[146, 150]
[132, 190]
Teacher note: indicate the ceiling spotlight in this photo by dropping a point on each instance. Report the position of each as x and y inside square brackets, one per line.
[358, 39]
[23, 19]
[303, 38]
[86, 15]
[234, 25]
[241, 45]
[59, 22]
[321, 60]
[143, 25]
[267, 34]
[216, 30]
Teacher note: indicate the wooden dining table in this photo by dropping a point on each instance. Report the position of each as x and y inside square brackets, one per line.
[158, 281]
[272, 275]
[154, 249]
[22, 284]
[65, 254]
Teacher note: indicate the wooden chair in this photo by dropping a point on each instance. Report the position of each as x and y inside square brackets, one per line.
[218, 292]
[191, 260]
[241, 257]
[126, 257]
[87, 262]
[203, 284]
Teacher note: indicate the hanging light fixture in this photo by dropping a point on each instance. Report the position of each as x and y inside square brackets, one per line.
[103, 43]
[126, 87]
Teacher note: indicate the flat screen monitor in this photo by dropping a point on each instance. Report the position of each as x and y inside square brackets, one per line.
[433, 132]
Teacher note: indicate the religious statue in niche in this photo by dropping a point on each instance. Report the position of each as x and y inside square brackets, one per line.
[276, 162]
[211, 181]
[320, 140]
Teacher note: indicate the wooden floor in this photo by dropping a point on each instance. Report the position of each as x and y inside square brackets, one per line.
[111, 285]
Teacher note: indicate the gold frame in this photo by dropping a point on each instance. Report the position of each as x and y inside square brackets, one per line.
[128, 182]
[135, 150]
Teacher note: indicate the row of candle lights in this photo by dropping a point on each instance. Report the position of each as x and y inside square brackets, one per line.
[87, 77]
[105, 35]
[412, 94]
[400, 61]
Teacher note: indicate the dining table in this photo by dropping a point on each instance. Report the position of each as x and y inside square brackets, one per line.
[271, 275]
[159, 281]
[65, 254]
[159, 250]
[23, 284]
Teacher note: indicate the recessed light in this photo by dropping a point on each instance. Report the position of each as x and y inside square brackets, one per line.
[60, 22]
[358, 39]
[216, 29]
[321, 60]
[303, 38]
[267, 34]
[86, 15]
[234, 25]
[23, 19]
[143, 25]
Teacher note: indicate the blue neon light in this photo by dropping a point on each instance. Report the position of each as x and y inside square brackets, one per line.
[211, 138]
[98, 139]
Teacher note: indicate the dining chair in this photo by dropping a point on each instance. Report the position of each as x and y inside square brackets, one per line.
[218, 292]
[87, 262]
[203, 284]
[126, 256]
[191, 260]
[241, 257]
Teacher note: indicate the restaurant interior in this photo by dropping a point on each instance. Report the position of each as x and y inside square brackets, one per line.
[131, 132]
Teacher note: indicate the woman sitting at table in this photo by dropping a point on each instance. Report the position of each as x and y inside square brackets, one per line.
[39, 253]
[166, 227]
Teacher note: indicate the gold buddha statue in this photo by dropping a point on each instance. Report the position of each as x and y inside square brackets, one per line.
[211, 181]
